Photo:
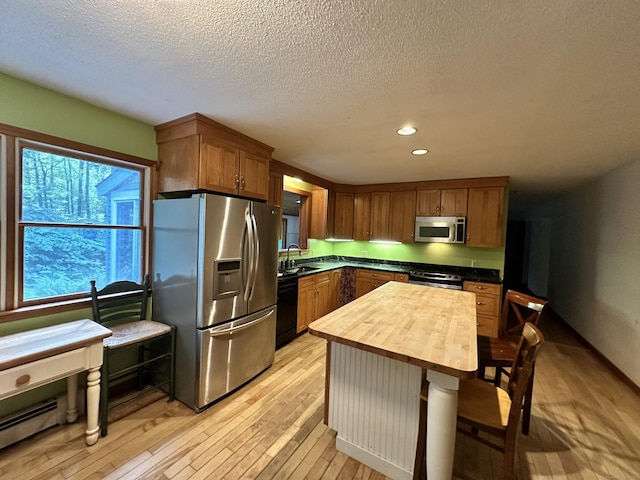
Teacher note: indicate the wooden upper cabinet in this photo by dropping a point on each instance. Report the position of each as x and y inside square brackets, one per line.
[393, 216]
[219, 167]
[343, 218]
[453, 202]
[402, 216]
[450, 202]
[275, 196]
[331, 214]
[380, 207]
[485, 217]
[322, 213]
[428, 203]
[362, 216]
[197, 153]
[276, 183]
[254, 176]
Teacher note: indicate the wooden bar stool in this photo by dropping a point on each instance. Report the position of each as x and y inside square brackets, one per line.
[517, 309]
[483, 407]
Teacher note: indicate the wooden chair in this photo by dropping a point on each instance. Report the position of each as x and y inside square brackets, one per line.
[122, 307]
[483, 407]
[517, 310]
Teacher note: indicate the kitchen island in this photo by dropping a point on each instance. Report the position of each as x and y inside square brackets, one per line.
[378, 348]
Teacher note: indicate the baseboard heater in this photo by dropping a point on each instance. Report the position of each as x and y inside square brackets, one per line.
[36, 418]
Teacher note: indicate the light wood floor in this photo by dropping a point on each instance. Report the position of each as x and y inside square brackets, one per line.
[585, 424]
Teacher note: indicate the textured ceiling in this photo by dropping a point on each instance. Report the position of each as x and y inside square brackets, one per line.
[546, 92]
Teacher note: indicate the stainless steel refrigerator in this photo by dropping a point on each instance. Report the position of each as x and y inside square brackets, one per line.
[215, 278]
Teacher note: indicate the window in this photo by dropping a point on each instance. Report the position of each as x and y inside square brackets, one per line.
[68, 216]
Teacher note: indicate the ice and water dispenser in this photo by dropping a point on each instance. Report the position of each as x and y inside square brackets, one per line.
[227, 278]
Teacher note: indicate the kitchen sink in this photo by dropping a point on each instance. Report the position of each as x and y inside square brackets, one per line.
[307, 268]
[302, 269]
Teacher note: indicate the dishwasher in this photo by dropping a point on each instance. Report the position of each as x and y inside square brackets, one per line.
[287, 316]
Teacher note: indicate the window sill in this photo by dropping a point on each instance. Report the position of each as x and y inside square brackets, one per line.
[43, 310]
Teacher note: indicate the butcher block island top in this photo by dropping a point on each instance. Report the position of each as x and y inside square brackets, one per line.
[433, 328]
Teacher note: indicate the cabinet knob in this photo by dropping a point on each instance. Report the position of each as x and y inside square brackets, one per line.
[242, 183]
[481, 288]
[237, 181]
[480, 303]
[22, 380]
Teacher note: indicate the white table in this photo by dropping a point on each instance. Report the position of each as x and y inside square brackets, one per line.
[378, 347]
[40, 356]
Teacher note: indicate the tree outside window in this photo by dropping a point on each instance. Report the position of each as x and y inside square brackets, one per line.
[80, 220]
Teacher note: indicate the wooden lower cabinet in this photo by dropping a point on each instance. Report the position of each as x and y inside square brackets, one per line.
[487, 306]
[334, 289]
[368, 280]
[314, 298]
[319, 294]
[401, 277]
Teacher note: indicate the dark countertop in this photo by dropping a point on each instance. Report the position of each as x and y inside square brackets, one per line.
[323, 264]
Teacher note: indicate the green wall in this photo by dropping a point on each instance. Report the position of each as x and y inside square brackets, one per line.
[29, 106]
[435, 253]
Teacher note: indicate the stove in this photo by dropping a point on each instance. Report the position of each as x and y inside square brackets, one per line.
[436, 279]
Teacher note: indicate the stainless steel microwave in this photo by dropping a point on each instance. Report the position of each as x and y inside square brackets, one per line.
[441, 229]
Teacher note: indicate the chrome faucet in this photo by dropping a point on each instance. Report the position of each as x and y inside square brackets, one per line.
[288, 263]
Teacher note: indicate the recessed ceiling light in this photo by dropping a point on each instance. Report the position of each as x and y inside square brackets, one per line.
[407, 131]
[420, 151]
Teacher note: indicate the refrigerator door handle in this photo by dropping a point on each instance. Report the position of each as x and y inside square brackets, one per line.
[248, 261]
[228, 330]
[256, 253]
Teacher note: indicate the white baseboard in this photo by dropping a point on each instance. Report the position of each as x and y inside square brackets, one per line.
[36, 418]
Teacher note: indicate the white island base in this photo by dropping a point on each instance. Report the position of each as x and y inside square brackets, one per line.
[374, 405]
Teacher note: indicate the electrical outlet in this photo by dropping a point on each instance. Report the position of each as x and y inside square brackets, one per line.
[365, 253]
[474, 263]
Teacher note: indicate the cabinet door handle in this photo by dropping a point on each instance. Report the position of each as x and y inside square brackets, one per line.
[481, 288]
[237, 180]
[22, 380]
[242, 182]
[480, 303]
